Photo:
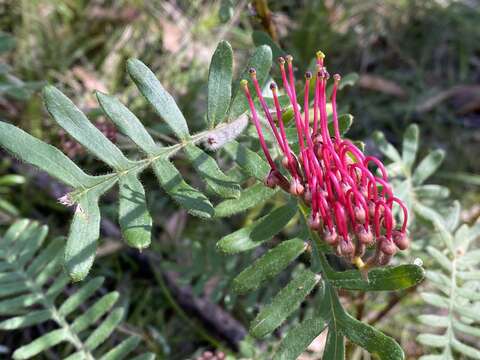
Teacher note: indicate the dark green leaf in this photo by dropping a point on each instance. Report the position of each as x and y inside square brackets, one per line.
[283, 304]
[126, 122]
[248, 160]
[41, 155]
[158, 97]
[135, 220]
[220, 83]
[379, 279]
[262, 38]
[269, 265]
[208, 169]
[298, 339]
[186, 196]
[69, 117]
[345, 121]
[259, 231]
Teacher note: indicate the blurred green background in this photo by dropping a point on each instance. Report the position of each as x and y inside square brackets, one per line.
[418, 61]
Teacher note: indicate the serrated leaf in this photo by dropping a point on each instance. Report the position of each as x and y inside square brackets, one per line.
[250, 197]
[268, 265]
[186, 196]
[161, 101]
[385, 147]
[283, 304]
[379, 279]
[208, 169]
[41, 155]
[69, 117]
[259, 231]
[134, 218]
[219, 83]
[298, 338]
[428, 166]
[126, 122]
[261, 60]
[248, 160]
[410, 146]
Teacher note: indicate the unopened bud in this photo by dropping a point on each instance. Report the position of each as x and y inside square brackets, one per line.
[400, 239]
[330, 236]
[364, 236]
[360, 214]
[387, 246]
[271, 180]
[314, 221]
[347, 248]
[296, 188]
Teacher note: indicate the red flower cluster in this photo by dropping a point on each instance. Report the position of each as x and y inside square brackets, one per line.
[351, 207]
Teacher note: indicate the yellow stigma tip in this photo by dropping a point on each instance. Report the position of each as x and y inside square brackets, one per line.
[320, 55]
[244, 82]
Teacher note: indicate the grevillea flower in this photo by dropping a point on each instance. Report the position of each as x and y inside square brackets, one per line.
[350, 206]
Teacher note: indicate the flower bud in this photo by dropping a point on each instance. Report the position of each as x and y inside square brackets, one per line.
[400, 239]
[296, 188]
[347, 248]
[387, 246]
[271, 180]
[360, 214]
[364, 236]
[330, 236]
[314, 221]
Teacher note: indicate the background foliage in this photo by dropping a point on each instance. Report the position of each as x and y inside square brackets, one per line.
[416, 61]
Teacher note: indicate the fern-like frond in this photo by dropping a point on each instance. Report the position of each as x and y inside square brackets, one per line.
[226, 123]
[455, 323]
[32, 286]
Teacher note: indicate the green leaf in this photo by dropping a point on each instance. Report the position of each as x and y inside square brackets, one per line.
[434, 320]
[345, 121]
[385, 147]
[40, 344]
[440, 258]
[220, 83]
[252, 163]
[261, 60]
[41, 155]
[32, 318]
[135, 220]
[123, 349]
[126, 122]
[283, 304]
[250, 197]
[428, 166]
[335, 345]
[435, 300]
[379, 279]
[262, 38]
[298, 338]
[95, 312]
[186, 196]
[269, 265]
[432, 191]
[410, 146]
[69, 117]
[80, 296]
[432, 340]
[12, 180]
[369, 338]
[259, 231]
[158, 97]
[208, 169]
[102, 332]
[465, 349]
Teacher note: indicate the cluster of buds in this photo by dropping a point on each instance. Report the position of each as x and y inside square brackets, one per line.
[351, 207]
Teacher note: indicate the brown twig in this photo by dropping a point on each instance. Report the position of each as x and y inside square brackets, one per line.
[265, 16]
[394, 300]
